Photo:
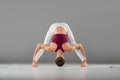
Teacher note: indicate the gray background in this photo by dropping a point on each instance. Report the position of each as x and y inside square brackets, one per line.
[95, 24]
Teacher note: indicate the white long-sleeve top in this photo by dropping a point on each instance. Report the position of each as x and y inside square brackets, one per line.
[51, 29]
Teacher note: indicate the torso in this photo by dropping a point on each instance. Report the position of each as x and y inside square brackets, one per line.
[59, 37]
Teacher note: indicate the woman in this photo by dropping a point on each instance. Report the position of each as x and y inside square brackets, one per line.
[59, 39]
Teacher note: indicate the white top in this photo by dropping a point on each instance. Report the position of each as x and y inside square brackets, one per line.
[51, 29]
[50, 34]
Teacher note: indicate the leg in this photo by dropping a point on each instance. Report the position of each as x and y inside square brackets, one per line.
[67, 47]
[49, 48]
[38, 47]
[79, 46]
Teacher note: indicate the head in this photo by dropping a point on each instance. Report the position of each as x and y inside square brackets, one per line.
[59, 61]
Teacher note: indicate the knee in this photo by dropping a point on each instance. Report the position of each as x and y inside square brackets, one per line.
[80, 45]
[41, 45]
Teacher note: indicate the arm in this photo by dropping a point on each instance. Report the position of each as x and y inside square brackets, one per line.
[48, 35]
[72, 41]
[70, 34]
[46, 41]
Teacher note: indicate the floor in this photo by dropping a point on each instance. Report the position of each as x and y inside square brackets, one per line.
[52, 72]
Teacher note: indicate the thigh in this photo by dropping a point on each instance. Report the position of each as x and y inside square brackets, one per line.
[51, 48]
[67, 47]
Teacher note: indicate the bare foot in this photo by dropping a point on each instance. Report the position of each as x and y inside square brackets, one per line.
[84, 64]
[34, 64]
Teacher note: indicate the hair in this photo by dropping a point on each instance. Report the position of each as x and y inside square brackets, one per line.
[60, 61]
